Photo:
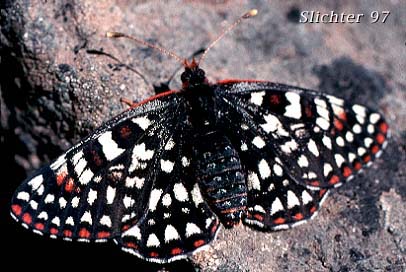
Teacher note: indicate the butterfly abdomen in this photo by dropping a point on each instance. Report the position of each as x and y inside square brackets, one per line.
[221, 177]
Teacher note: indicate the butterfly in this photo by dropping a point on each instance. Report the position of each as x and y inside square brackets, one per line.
[160, 178]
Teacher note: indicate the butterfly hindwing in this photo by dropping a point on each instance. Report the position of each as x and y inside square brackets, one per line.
[321, 140]
[177, 219]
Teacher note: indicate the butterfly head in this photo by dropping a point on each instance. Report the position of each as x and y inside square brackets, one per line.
[193, 75]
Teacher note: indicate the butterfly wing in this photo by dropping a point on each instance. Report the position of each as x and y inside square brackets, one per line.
[121, 178]
[295, 144]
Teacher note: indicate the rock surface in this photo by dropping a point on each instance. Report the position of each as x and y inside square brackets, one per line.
[62, 78]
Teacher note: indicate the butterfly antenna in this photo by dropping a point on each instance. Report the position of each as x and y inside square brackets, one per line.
[147, 44]
[247, 15]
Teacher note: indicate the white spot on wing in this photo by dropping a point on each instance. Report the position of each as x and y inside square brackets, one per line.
[33, 204]
[170, 144]
[335, 100]
[43, 215]
[306, 197]
[302, 161]
[167, 166]
[110, 195]
[349, 136]
[311, 145]
[49, 198]
[327, 168]
[358, 109]
[322, 123]
[23, 196]
[272, 124]
[86, 217]
[276, 206]
[106, 221]
[277, 169]
[327, 142]
[196, 195]
[62, 202]
[92, 196]
[264, 170]
[143, 122]
[257, 98]
[180, 192]
[293, 110]
[292, 200]
[351, 157]
[339, 159]
[86, 176]
[56, 221]
[171, 234]
[289, 146]
[166, 200]
[154, 198]
[109, 146]
[134, 232]
[258, 142]
[368, 142]
[340, 141]
[374, 117]
[153, 241]
[138, 182]
[185, 161]
[128, 201]
[253, 181]
[191, 229]
[356, 129]
[75, 202]
[36, 182]
[69, 221]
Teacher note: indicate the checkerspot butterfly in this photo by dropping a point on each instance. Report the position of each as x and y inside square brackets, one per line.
[159, 178]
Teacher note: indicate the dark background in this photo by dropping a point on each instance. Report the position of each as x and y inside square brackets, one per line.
[56, 88]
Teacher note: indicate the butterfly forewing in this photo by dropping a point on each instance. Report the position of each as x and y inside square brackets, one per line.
[88, 192]
[320, 140]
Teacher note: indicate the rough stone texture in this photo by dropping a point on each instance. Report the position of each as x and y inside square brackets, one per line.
[56, 86]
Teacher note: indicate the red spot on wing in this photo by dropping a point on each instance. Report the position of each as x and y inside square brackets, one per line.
[27, 218]
[39, 226]
[298, 216]
[308, 111]
[383, 127]
[279, 221]
[334, 180]
[132, 245]
[315, 183]
[125, 132]
[374, 149]
[176, 251]
[347, 171]
[380, 138]
[313, 209]
[125, 227]
[16, 209]
[53, 231]
[357, 166]
[258, 217]
[367, 158]
[275, 99]
[70, 185]
[84, 233]
[60, 178]
[198, 243]
[322, 192]
[338, 124]
[213, 229]
[67, 233]
[153, 254]
[103, 235]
